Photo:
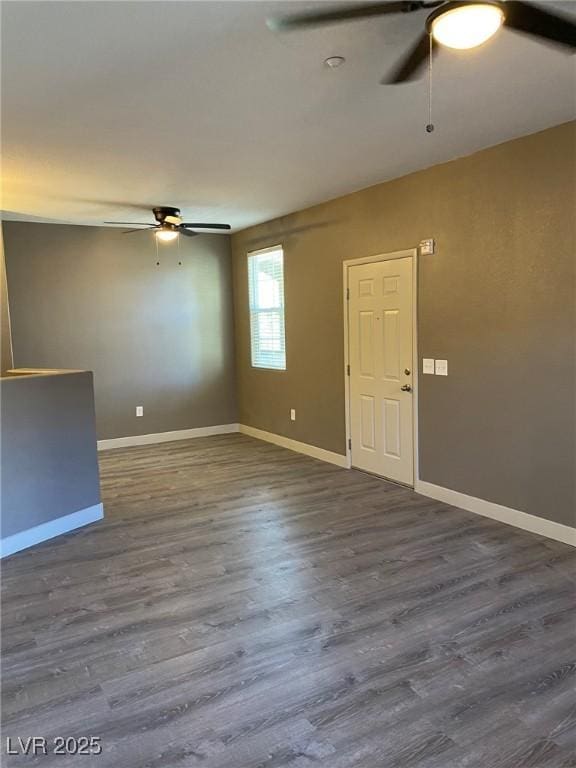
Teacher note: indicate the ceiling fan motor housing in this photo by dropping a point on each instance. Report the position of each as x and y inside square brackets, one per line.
[161, 213]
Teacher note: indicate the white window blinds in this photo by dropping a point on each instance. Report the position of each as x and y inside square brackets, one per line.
[266, 289]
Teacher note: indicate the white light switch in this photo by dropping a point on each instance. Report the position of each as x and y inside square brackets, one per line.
[139, 410]
[292, 414]
[427, 365]
[441, 367]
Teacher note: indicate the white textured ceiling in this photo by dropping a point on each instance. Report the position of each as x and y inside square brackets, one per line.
[109, 105]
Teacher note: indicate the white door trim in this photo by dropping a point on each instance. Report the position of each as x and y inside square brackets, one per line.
[409, 253]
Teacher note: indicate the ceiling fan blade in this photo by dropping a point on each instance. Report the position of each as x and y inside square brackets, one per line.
[205, 226]
[187, 232]
[349, 13]
[131, 231]
[129, 223]
[409, 67]
[532, 20]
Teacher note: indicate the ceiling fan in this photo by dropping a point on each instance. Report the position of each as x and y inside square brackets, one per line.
[460, 25]
[169, 224]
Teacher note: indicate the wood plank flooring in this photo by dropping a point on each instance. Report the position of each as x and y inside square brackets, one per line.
[243, 606]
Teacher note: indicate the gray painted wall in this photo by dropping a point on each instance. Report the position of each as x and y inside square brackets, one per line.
[496, 300]
[48, 461]
[160, 336]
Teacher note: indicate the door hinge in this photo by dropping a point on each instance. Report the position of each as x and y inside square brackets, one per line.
[347, 294]
[348, 370]
[350, 443]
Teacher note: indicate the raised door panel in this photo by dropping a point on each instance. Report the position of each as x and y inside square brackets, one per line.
[366, 329]
[391, 428]
[391, 345]
[367, 423]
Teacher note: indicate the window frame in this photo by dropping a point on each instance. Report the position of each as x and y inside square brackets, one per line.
[254, 311]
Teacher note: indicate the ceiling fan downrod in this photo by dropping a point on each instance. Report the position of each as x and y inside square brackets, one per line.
[430, 125]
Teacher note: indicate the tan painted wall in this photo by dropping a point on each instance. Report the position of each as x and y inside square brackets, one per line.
[497, 300]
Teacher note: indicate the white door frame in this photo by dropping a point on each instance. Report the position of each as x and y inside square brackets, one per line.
[409, 253]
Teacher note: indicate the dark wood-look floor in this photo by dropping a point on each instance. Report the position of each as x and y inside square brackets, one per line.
[245, 606]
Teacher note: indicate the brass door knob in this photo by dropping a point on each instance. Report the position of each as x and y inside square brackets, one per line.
[406, 388]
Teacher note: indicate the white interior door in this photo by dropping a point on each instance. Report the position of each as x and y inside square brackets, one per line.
[380, 321]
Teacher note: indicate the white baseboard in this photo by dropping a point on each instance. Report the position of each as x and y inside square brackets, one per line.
[551, 530]
[166, 437]
[45, 531]
[295, 445]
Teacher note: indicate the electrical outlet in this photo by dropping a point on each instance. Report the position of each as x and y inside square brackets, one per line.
[139, 410]
[292, 414]
[441, 367]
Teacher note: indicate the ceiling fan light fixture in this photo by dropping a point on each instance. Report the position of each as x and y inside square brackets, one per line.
[466, 26]
[166, 234]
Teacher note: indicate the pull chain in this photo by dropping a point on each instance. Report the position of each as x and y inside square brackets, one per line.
[430, 126]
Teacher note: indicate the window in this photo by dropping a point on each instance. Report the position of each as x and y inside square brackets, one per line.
[266, 289]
